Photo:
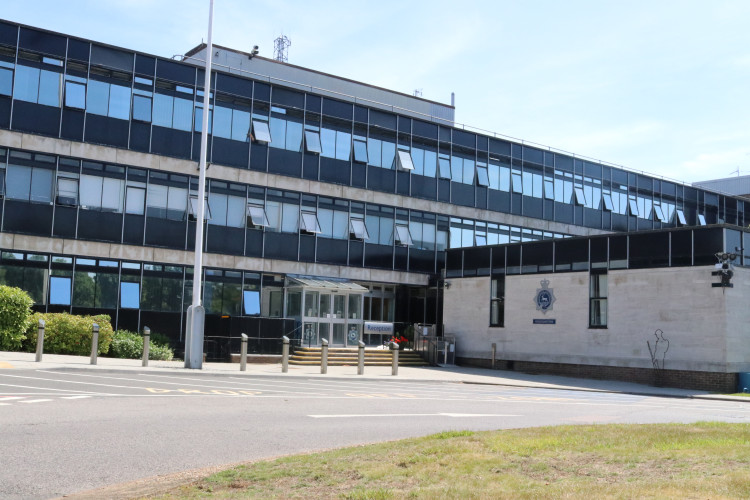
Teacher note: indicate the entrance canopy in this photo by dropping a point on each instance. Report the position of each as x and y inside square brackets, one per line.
[325, 284]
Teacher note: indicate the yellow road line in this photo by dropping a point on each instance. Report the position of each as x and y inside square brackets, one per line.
[3, 364]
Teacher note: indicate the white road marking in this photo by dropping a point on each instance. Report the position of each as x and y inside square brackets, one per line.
[452, 415]
[74, 397]
[51, 389]
[35, 400]
[8, 398]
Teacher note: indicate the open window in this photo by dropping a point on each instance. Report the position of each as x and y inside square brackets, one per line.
[67, 192]
[517, 182]
[580, 196]
[444, 167]
[260, 131]
[483, 178]
[193, 209]
[256, 217]
[75, 92]
[608, 205]
[549, 189]
[312, 142]
[310, 223]
[404, 160]
[480, 240]
[681, 217]
[403, 236]
[701, 220]
[659, 213]
[360, 151]
[633, 208]
[358, 229]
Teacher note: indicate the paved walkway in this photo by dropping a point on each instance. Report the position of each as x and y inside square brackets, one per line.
[468, 375]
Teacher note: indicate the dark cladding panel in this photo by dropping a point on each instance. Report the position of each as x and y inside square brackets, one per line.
[46, 43]
[288, 98]
[145, 65]
[78, 50]
[425, 129]
[175, 72]
[338, 109]
[649, 250]
[112, 58]
[262, 92]
[234, 85]
[464, 138]
[8, 34]
[385, 120]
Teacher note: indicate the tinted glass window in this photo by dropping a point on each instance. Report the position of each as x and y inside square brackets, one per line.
[27, 84]
[59, 291]
[6, 81]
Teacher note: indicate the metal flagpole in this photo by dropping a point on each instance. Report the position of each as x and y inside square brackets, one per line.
[196, 313]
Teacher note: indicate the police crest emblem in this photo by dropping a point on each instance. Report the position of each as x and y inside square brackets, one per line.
[545, 297]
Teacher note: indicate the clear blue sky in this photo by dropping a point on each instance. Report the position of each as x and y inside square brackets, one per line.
[658, 85]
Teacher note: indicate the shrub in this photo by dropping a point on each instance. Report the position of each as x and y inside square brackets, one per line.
[15, 317]
[70, 334]
[127, 344]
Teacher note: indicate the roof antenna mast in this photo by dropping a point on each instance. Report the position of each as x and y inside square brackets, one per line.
[281, 48]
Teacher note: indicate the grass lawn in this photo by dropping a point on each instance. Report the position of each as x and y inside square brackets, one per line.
[705, 460]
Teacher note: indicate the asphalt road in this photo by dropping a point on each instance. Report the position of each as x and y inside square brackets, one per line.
[63, 431]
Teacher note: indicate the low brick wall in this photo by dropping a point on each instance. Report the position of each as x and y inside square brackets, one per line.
[682, 379]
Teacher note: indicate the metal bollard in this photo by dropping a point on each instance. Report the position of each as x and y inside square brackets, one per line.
[494, 354]
[394, 354]
[324, 357]
[94, 342]
[146, 345]
[40, 341]
[243, 353]
[285, 354]
[361, 359]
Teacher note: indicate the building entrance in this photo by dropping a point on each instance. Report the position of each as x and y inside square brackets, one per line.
[326, 309]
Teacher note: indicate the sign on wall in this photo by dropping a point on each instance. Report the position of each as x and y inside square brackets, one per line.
[545, 297]
[374, 327]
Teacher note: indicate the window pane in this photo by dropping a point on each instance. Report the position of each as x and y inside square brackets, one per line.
[59, 291]
[183, 115]
[222, 126]
[91, 192]
[235, 211]
[277, 126]
[445, 168]
[360, 151]
[176, 203]
[219, 205]
[67, 191]
[119, 102]
[157, 200]
[135, 200]
[18, 182]
[27, 84]
[257, 215]
[289, 218]
[162, 110]
[261, 131]
[608, 202]
[312, 142]
[50, 88]
[240, 125]
[251, 302]
[343, 146]
[580, 198]
[6, 81]
[310, 222]
[328, 143]
[112, 195]
[482, 176]
[41, 185]
[402, 235]
[359, 230]
[130, 295]
[97, 97]
[141, 108]
[340, 226]
[75, 95]
[293, 136]
[404, 160]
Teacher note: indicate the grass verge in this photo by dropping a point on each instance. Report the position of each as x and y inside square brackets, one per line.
[704, 460]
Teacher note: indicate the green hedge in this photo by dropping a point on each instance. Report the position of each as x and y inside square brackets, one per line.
[15, 317]
[127, 344]
[69, 334]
